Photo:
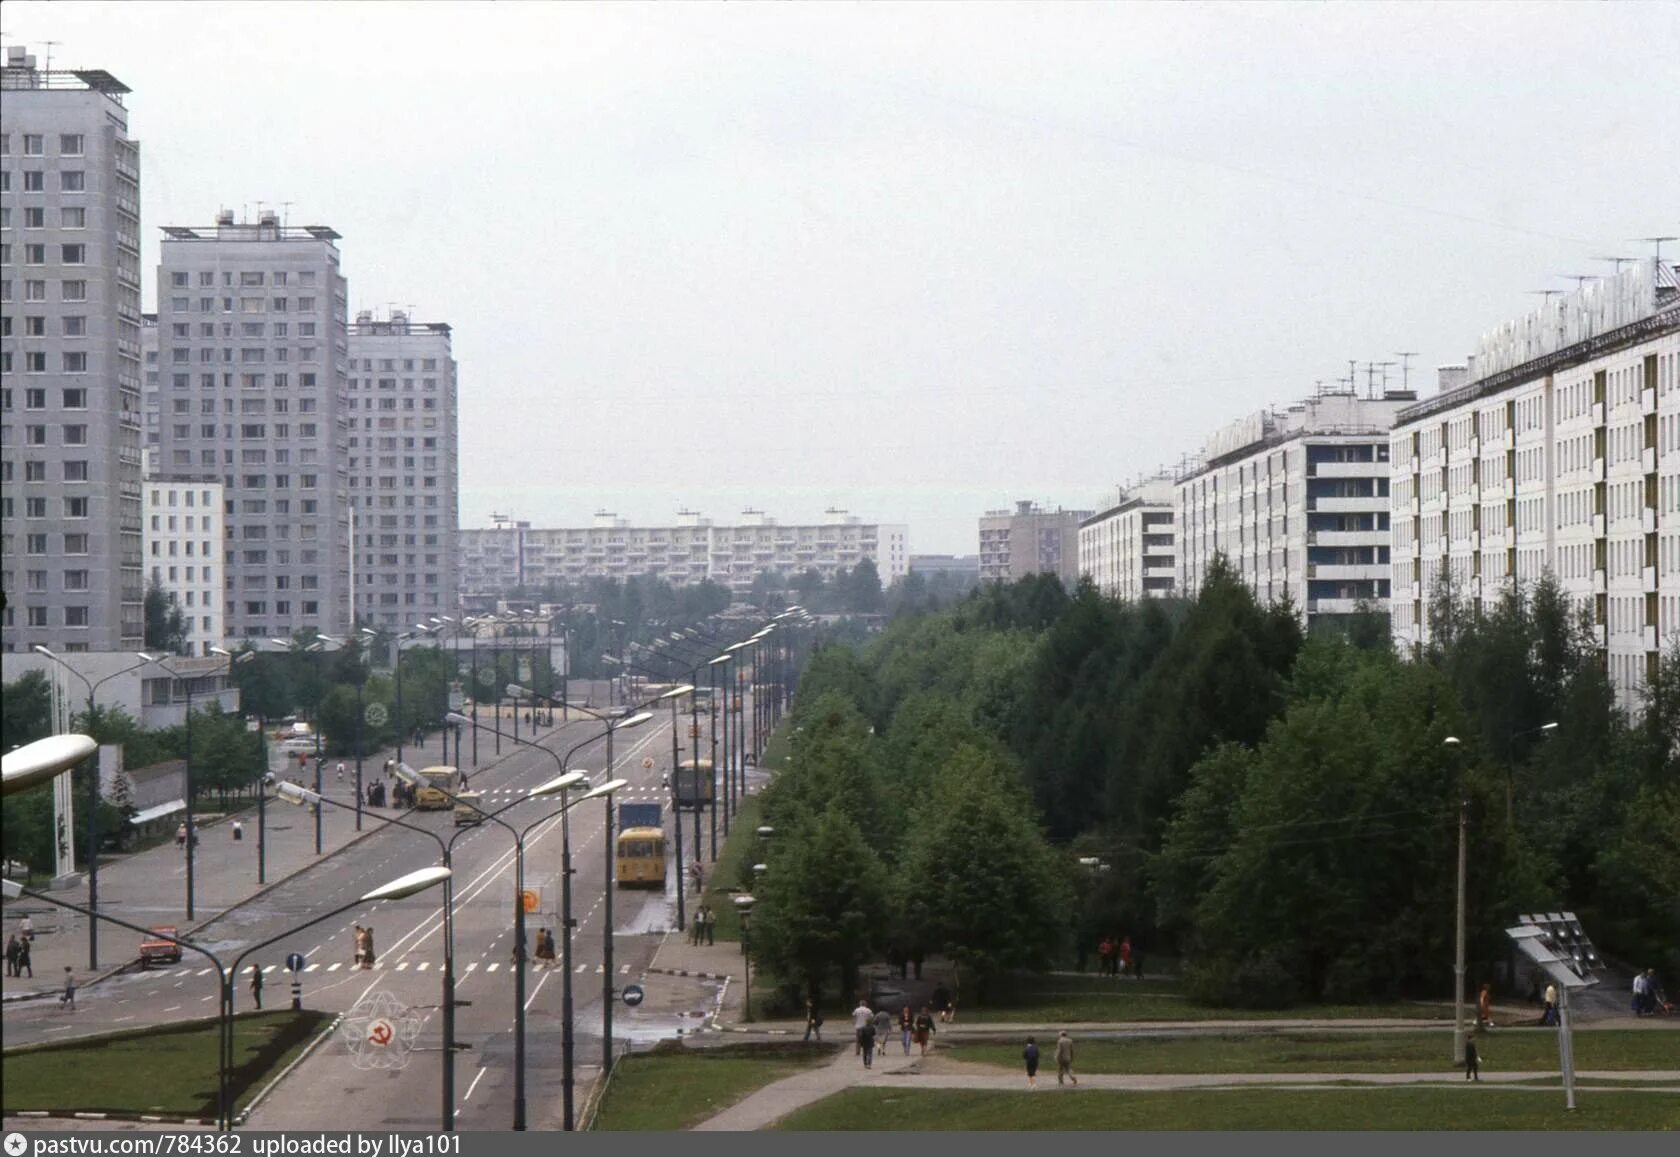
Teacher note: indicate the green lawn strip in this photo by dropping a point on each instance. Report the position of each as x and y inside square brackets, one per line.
[1146, 1003]
[164, 1069]
[776, 749]
[674, 1087]
[740, 850]
[1301, 1052]
[1474, 1107]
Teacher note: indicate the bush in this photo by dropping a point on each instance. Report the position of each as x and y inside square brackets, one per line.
[1265, 981]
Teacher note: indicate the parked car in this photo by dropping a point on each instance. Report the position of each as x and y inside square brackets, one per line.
[161, 949]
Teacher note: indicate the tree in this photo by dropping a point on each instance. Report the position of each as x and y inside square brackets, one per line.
[26, 710]
[165, 625]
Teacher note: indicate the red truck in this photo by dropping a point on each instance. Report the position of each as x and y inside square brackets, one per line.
[161, 948]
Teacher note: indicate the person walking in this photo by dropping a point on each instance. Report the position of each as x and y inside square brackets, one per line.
[1064, 1058]
[1639, 986]
[1472, 1060]
[1030, 1055]
[26, 929]
[711, 927]
[924, 1028]
[68, 1000]
[1105, 955]
[883, 1028]
[866, 1043]
[256, 984]
[23, 961]
[813, 1021]
[341, 771]
[1125, 953]
[861, 1017]
[906, 1025]
[1549, 1017]
[545, 947]
[181, 835]
[355, 946]
[12, 950]
[367, 947]
[1484, 1006]
[238, 831]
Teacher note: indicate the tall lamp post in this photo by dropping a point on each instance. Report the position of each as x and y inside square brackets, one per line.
[1452, 744]
[94, 793]
[1511, 771]
[743, 910]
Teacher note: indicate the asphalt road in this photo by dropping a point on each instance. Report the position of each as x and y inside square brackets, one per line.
[332, 1088]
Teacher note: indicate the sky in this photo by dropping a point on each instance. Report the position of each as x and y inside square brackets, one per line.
[911, 261]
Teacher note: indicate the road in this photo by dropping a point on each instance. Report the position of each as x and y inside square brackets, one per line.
[329, 1088]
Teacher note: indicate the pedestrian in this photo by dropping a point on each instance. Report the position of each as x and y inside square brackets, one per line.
[1064, 1058]
[1125, 953]
[181, 835]
[256, 985]
[866, 1044]
[1030, 1055]
[924, 1028]
[861, 1016]
[1105, 955]
[13, 948]
[341, 771]
[355, 946]
[1484, 1006]
[1550, 1015]
[711, 926]
[906, 1025]
[26, 929]
[1472, 1061]
[545, 947]
[24, 963]
[813, 1021]
[238, 831]
[367, 947]
[68, 1000]
[883, 1028]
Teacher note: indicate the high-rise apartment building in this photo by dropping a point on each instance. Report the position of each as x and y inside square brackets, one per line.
[184, 553]
[1555, 448]
[253, 368]
[70, 528]
[1030, 540]
[404, 470]
[149, 380]
[1128, 550]
[1297, 502]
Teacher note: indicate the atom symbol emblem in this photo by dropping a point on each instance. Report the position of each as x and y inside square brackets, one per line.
[380, 1032]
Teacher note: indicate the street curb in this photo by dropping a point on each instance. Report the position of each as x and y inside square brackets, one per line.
[686, 972]
[308, 1051]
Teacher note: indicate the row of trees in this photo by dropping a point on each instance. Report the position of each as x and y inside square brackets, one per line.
[1281, 810]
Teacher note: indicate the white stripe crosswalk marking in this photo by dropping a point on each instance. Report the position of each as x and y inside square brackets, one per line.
[472, 965]
[492, 966]
[624, 969]
[311, 967]
[335, 965]
[270, 968]
[203, 972]
[402, 966]
[422, 966]
[582, 967]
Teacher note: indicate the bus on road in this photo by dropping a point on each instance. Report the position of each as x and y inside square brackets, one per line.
[439, 779]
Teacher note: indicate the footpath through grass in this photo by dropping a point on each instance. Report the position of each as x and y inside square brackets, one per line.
[676, 1087]
[164, 1069]
[1054, 1000]
[1472, 1107]
[1516, 1050]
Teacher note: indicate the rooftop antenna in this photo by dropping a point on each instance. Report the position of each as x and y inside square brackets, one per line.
[1581, 279]
[1658, 242]
[1383, 366]
[286, 217]
[1406, 357]
[49, 46]
[1620, 261]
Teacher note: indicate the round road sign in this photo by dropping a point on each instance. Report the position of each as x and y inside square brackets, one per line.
[295, 962]
[647, 761]
[633, 994]
[377, 714]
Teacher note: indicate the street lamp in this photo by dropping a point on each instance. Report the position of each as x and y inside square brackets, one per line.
[743, 912]
[94, 793]
[38, 762]
[1511, 770]
[1452, 743]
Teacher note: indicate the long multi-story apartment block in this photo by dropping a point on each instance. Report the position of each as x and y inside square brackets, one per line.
[404, 469]
[513, 556]
[184, 543]
[1128, 550]
[1554, 448]
[70, 437]
[1030, 540]
[1297, 502]
[253, 360]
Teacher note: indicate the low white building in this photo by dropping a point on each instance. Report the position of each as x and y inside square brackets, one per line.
[156, 694]
[1297, 502]
[183, 545]
[1129, 549]
[1555, 448]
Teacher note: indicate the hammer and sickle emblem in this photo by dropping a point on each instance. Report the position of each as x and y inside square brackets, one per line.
[381, 1033]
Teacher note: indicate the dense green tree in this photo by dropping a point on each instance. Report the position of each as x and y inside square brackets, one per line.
[25, 710]
[165, 623]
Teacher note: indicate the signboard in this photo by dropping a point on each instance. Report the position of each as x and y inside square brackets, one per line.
[529, 900]
[633, 995]
[457, 697]
[377, 714]
[295, 962]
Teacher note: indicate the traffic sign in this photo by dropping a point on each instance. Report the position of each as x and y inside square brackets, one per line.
[647, 761]
[295, 962]
[633, 994]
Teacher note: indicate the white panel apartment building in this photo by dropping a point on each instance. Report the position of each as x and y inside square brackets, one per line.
[184, 553]
[1555, 448]
[1297, 502]
[502, 558]
[253, 367]
[404, 470]
[70, 527]
[1128, 550]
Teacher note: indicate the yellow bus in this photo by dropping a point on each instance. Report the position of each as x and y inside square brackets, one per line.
[641, 858]
[439, 779]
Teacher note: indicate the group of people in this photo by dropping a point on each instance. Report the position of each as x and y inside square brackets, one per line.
[1648, 996]
[703, 928]
[545, 947]
[874, 1027]
[17, 953]
[1064, 1060]
[1116, 957]
[362, 947]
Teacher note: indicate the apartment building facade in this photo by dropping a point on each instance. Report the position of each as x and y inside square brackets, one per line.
[70, 516]
[1297, 501]
[1129, 550]
[404, 469]
[503, 558]
[1030, 540]
[253, 359]
[184, 544]
[1554, 448]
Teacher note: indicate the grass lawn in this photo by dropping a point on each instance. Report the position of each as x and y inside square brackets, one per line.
[1394, 1052]
[1052, 1000]
[165, 1069]
[742, 848]
[674, 1088]
[1476, 1107]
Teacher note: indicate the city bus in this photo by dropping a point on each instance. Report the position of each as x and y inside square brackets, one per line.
[694, 787]
[641, 858]
[439, 779]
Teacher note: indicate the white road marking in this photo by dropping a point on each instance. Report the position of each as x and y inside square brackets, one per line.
[492, 966]
[311, 967]
[402, 966]
[270, 968]
[422, 966]
[470, 1087]
[472, 965]
[335, 966]
[624, 968]
[173, 1008]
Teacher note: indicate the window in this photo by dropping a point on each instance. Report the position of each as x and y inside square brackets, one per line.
[35, 218]
[37, 616]
[35, 399]
[75, 435]
[34, 471]
[34, 291]
[33, 144]
[73, 254]
[75, 363]
[37, 544]
[76, 616]
[34, 326]
[73, 291]
[33, 254]
[75, 399]
[72, 181]
[34, 362]
[76, 471]
[178, 280]
[34, 181]
[74, 325]
[70, 144]
[75, 508]
[34, 507]
[75, 580]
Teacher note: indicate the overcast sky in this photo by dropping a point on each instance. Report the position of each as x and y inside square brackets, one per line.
[914, 261]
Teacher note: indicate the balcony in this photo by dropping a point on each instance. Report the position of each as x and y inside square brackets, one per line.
[1597, 413]
[1337, 606]
[1598, 581]
[1598, 525]
[1348, 571]
[1647, 401]
[1648, 460]
[1649, 577]
[1362, 504]
[1648, 635]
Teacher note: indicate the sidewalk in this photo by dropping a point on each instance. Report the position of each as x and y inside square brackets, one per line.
[149, 887]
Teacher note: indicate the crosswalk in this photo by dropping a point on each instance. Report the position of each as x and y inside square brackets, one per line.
[405, 965]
